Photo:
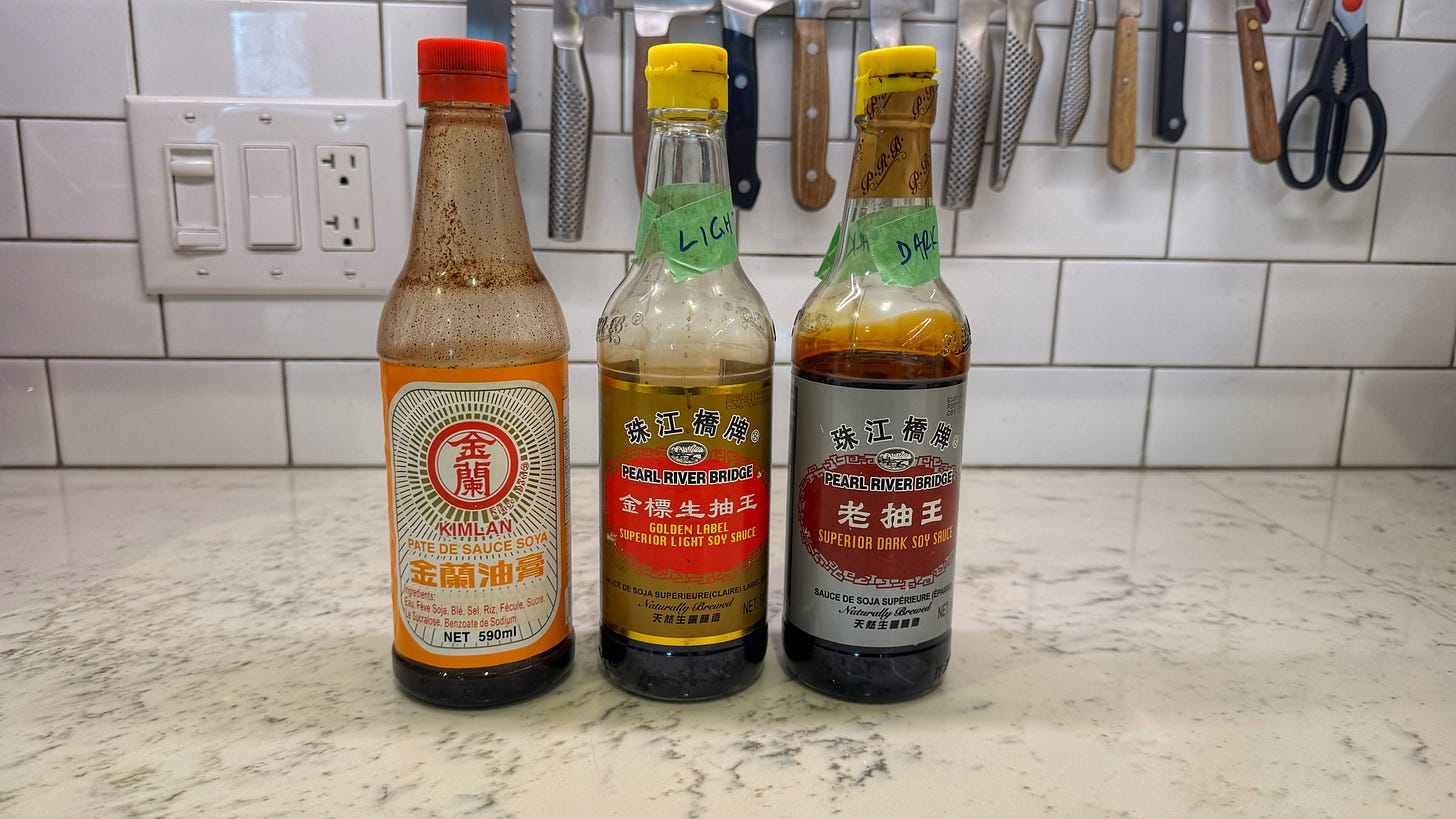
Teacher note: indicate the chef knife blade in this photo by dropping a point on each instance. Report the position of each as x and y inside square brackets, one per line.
[970, 102]
[1077, 75]
[813, 186]
[739, 19]
[571, 116]
[1122, 123]
[650, 21]
[1023, 59]
[495, 20]
[1172, 53]
[885, 19]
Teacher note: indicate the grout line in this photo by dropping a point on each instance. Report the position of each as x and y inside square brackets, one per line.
[136, 68]
[55, 422]
[1263, 313]
[287, 418]
[162, 317]
[1147, 418]
[1056, 312]
[24, 186]
[384, 59]
[1172, 205]
[1375, 212]
[1345, 418]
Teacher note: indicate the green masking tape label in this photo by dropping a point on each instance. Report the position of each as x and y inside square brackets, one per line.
[902, 244]
[692, 225]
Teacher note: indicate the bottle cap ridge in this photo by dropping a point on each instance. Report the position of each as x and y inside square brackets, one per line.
[456, 69]
[687, 75]
[901, 68]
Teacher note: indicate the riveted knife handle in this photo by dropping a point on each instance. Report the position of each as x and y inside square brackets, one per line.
[1172, 57]
[641, 125]
[811, 115]
[571, 116]
[741, 129]
[969, 112]
[1122, 124]
[1264, 140]
[1077, 75]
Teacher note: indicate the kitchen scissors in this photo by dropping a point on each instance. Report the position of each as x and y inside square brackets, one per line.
[1346, 40]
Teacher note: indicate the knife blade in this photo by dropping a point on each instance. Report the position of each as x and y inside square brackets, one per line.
[1265, 143]
[496, 20]
[1077, 75]
[885, 19]
[813, 186]
[1122, 122]
[571, 116]
[1023, 59]
[739, 19]
[1172, 58]
[650, 21]
[970, 102]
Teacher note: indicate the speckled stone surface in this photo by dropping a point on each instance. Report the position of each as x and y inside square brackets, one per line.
[1239, 644]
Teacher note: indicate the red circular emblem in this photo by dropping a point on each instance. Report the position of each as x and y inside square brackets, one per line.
[473, 464]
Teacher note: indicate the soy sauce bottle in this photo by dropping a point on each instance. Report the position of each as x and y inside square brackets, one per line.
[880, 352]
[685, 356]
[472, 348]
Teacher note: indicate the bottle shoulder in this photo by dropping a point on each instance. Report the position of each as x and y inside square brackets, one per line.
[861, 314]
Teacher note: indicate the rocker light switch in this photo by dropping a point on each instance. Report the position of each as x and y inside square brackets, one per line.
[196, 197]
[272, 197]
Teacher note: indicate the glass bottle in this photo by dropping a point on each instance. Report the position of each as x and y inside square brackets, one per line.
[880, 352]
[472, 348]
[685, 355]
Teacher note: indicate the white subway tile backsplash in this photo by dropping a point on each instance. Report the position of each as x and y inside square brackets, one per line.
[169, 413]
[12, 183]
[1213, 89]
[1245, 417]
[1359, 316]
[1168, 313]
[271, 326]
[78, 179]
[784, 282]
[1401, 418]
[1010, 305]
[612, 201]
[403, 26]
[27, 436]
[1219, 16]
[583, 282]
[1226, 206]
[335, 413]
[1429, 19]
[1054, 416]
[584, 422]
[78, 299]
[782, 420]
[65, 58]
[1067, 202]
[1417, 203]
[267, 48]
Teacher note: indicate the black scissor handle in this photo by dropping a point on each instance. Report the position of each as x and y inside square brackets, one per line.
[1357, 89]
[1325, 101]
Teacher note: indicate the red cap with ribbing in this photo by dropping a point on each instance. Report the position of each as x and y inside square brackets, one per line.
[454, 69]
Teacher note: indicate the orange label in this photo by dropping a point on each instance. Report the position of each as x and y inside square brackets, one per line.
[478, 525]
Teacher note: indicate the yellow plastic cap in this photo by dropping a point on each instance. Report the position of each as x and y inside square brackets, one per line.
[687, 75]
[884, 70]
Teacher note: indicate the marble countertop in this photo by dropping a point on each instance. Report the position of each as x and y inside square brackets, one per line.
[1283, 644]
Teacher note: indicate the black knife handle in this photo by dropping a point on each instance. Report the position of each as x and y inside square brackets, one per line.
[742, 130]
[1172, 50]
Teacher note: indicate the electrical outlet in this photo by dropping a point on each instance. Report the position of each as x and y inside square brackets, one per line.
[345, 197]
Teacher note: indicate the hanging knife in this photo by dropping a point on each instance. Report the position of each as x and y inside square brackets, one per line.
[1077, 76]
[813, 186]
[571, 116]
[1122, 124]
[970, 102]
[1172, 54]
[739, 19]
[1019, 74]
[495, 20]
[650, 20]
[885, 19]
[1264, 142]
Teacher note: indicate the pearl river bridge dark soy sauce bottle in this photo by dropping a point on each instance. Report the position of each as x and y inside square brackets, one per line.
[472, 348]
[880, 351]
[685, 355]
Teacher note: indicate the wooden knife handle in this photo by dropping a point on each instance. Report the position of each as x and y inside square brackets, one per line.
[811, 133]
[1122, 124]
[1264, 140]
[641, 126]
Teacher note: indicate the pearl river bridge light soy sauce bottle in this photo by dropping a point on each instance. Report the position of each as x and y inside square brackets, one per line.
[472, 348]
[685, 355]
[880, 351]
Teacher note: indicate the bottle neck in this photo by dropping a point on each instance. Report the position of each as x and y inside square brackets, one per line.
[891, 165]
[467, 202]
[686, 146]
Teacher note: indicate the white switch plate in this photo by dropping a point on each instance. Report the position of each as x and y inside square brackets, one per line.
[154, 123]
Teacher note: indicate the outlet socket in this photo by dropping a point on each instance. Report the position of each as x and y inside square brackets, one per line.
[345, 197]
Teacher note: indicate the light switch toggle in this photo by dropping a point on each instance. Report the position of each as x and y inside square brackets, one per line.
[272, 192]
[195, 197]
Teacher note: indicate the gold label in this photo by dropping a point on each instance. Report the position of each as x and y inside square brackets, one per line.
[892, 155]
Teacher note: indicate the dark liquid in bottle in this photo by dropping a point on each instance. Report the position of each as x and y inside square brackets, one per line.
[485, 687]
[684, 674]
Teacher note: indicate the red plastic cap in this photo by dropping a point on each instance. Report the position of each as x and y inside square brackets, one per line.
[454, 69]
